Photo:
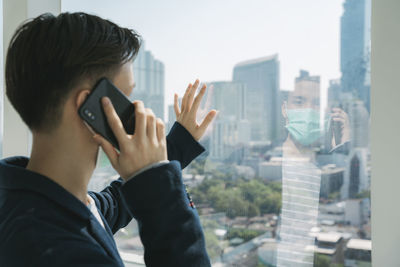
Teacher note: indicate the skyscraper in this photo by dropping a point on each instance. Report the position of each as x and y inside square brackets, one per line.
[355, 49]
[231, 129]
[149, 78]
[261, 77]
[229, 98]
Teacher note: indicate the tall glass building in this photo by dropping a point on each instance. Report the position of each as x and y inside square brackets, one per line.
[261, 76]
[232, 129]
[149, 77]
[355, 49]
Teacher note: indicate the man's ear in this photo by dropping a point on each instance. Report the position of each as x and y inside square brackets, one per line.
[80, 97]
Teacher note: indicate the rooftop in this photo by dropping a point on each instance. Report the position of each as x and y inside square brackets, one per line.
[257, 60]
[361, 244]
[331, 237]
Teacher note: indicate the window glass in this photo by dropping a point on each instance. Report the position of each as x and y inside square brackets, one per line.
[285, 180]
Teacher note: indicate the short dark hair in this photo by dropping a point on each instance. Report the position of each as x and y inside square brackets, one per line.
[49, 55]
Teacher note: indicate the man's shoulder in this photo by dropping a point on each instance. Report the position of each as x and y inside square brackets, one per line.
[34, 236]
[29, 217]
[34, 225]
[35, 242]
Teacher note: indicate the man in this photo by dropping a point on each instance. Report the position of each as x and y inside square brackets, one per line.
[301, 175]
[47, 217]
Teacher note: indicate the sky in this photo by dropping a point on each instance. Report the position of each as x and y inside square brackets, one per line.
[205, 39]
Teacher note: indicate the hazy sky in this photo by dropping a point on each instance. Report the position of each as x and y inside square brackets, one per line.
[205, 39]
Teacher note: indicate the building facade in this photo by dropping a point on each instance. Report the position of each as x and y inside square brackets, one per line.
[355, 49]
[261, 77]
[231, 130]
[149, 77]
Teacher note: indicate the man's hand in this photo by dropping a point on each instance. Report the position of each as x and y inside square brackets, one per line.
[186, 115]
[146, 146]
[341, 126]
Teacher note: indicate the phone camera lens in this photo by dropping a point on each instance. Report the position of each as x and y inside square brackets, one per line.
[89, 114]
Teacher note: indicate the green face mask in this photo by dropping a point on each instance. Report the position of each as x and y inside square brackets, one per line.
[304, 125]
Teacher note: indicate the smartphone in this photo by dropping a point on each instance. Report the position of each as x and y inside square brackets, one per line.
[91, 111]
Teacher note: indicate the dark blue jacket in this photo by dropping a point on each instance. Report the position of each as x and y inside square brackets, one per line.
[42, 224]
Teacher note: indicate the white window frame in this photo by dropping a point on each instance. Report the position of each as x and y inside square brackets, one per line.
[385, 129]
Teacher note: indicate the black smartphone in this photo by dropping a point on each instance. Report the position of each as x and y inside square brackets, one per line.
[91, 111]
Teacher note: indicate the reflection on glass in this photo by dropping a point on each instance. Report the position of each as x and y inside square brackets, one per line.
[286, 177]
[301, 177]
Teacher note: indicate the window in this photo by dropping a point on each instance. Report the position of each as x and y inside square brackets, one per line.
[286, 177]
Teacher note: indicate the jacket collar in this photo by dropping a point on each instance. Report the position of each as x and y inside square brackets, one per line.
[14, 175]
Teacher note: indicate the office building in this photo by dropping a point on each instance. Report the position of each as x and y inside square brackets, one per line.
[358, 252]
[231, 130]
[149, 78]
[261, 77]
[355, 48]
[357, 176]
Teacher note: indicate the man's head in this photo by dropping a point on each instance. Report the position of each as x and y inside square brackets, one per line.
[51, 59]
[302, 111]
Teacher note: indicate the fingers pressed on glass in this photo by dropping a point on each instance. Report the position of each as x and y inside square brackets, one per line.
[185, 96]
[208, 119]
[191, 93]
[198, 99]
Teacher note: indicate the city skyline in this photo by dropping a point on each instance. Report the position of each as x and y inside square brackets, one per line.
[327, 196]
[207, 47]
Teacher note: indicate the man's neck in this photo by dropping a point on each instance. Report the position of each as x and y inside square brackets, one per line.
[292, 149]
[64, 161]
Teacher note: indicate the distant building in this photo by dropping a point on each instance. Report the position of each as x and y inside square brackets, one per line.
[330, 244]
[261, 77]
[271, 170]
[228, 140]
[229, 98]
[353, 212]
[171, 117]
[355, 47]
[356, 212]
[231, 130]
[359, 124]
[358, 253]
[357, 177]
[331, 180]
[332, 212]
[149, 78]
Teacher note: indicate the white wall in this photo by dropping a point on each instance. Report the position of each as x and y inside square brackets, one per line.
[385, 132]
